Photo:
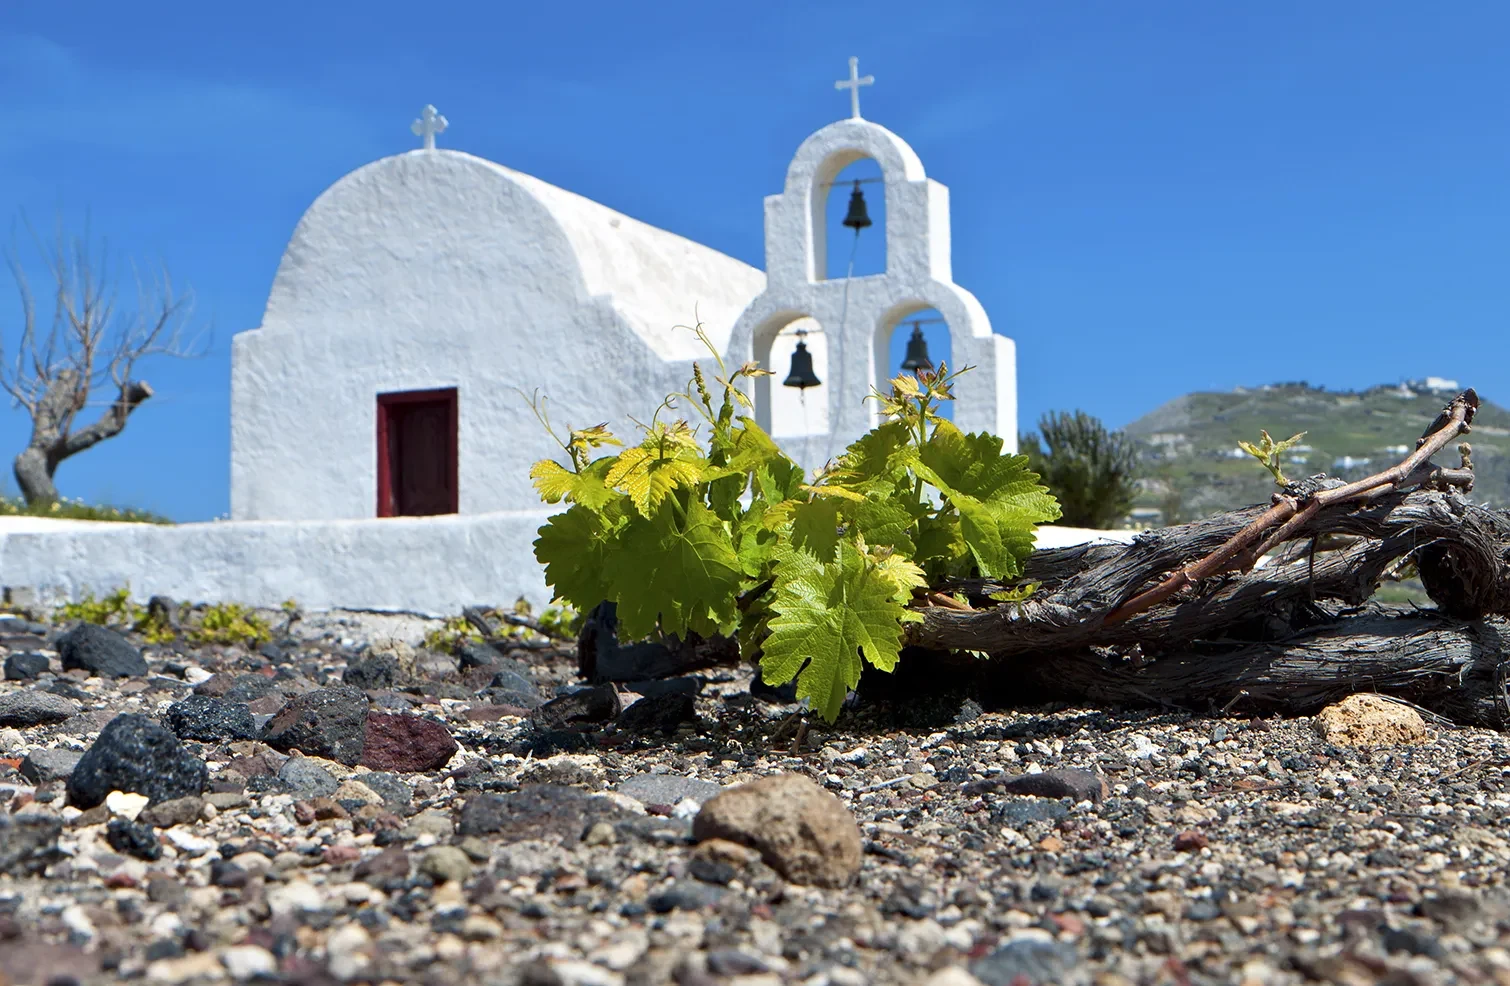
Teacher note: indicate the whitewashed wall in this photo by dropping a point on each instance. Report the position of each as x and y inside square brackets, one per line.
[428, 565]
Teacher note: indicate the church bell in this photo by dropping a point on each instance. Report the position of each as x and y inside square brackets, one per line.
[917, 351]
[801, 375]
[858, 217]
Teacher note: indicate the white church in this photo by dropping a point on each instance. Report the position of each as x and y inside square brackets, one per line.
[381, 433]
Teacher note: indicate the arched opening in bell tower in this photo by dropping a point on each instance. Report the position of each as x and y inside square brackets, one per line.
[909, 339]
[783, 408]
[849, 231]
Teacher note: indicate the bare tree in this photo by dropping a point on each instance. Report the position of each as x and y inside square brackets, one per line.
[86, 346]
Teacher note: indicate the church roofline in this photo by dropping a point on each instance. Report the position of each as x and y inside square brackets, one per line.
[655, 279]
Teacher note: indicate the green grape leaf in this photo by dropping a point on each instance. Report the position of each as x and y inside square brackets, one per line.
[590, 489]
[668, 459]
[878, 459]
[815, 526]
[574, 547]
[941, 548]
[555, 482]
[552, 480]
[998, 497]
[678, 569]
[754, 542]
[828, 616]
[884, 522]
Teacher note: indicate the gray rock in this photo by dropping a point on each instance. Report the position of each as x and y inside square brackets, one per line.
[445, 864]
[305, 779]
[667, 789]
[685, 895]
[1030, 961]
[395, 792]
[135, 753]
[46, 766]
[326, 722]
[375, 672]
[200, 717]
[25, 666]
[27, 842]
[179, 811]
[540, 811]
[100, 651]
[249, 688]
[1017, 813]
[1080, 785]
[658, 713]
[32, 708]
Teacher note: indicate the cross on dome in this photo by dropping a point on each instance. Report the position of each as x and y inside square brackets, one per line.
[428, 125]
[853, 84]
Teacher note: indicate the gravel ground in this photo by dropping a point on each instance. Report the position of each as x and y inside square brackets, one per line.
[474, 834]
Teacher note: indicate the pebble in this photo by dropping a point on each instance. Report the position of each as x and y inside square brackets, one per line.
[445, 863]
[100, 651]
[326, 722]
[249, 962]
[801, 830]
[47, 765]
[406, 744]
[200, 717]
[33, 708]
[25, 666]
[346, 950]
[135, 753]
[126, 804]
[1367, 720]
[293, 897]
[668, 789]
[305, 778]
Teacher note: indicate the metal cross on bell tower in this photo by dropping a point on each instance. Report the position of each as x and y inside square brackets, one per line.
[853, 84]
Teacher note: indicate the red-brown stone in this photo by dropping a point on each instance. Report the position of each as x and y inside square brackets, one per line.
[405, 743]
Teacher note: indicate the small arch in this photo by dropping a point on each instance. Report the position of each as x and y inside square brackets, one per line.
[838, 250]
[786, 412]
[894, 333]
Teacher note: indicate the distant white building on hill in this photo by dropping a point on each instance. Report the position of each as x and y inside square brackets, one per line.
[380, 445]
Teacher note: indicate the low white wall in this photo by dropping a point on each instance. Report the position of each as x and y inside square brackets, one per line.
[428, 565]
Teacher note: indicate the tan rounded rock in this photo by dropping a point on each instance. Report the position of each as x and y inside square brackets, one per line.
[1369, 720]
[803, 832]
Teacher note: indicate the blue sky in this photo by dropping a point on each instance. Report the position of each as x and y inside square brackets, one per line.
[1150, 198]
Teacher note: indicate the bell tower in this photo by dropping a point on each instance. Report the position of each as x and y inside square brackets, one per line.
[849, 320]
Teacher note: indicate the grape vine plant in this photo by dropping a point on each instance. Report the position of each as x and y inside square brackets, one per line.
[712, 529]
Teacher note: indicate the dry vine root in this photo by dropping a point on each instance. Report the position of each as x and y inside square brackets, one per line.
[1185, 616]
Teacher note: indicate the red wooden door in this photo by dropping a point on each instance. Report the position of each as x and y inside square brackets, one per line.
[417, 453]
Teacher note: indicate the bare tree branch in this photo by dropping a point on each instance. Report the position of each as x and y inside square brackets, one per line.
[89, 345]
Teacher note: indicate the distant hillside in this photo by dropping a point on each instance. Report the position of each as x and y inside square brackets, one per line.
[1194, 467]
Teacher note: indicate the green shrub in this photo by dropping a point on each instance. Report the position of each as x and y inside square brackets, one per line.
[450, 635]
[115, 610]
[1089, 470]
[231, 623]
[66, 509]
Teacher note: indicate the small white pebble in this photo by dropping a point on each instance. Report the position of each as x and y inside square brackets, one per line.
[249, 961]
[126, 804]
